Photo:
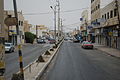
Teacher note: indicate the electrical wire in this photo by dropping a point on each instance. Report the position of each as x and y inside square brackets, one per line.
[52, 12]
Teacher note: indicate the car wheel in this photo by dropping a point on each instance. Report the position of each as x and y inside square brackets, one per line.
[10, 50]
[13, 50]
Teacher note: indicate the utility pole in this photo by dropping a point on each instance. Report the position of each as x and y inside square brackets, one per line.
[58, 19]
[18, 41]
[86, 28]
[54, 20]
[61, 27]
[37, 31]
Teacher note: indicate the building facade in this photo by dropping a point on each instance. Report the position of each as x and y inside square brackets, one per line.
[27, 26]
[95, 16]
[11, 35]
[110, 25]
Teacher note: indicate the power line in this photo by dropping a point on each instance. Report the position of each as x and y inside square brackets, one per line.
[51, 12]
[73, 24]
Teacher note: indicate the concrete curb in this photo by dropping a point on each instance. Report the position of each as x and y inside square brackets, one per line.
[37, 74]
[49, 61]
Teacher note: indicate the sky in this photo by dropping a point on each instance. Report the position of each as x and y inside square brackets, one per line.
[37, 8]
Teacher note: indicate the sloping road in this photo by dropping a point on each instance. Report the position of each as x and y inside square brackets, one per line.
[30, 53]
[75, 63]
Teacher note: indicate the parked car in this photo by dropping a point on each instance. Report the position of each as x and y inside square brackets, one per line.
[52, 41]
[9, 47]
[75, 40]
[41, 41]
[87, 45]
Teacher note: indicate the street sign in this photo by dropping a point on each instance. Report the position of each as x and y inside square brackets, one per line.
[10, 21]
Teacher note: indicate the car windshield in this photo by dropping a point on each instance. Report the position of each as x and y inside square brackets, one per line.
[87, 43]
[7, 44]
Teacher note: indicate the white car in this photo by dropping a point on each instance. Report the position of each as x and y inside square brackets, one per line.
[9, 47]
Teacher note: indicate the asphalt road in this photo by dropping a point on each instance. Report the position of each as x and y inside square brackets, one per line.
[74, 63]
[30, 53]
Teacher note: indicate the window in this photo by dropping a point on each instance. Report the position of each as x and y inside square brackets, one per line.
[108, 15]
[102, 16]
[19, 23]
[115, 12]
[105, 16]
[111, 14]
[92, 1]
[98, 6]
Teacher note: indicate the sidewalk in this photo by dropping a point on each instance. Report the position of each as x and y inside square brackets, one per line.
[110, 51]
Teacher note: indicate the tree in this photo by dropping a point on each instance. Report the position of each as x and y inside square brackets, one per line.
[29, 37]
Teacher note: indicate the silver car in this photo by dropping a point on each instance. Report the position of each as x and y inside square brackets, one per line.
[9, 47]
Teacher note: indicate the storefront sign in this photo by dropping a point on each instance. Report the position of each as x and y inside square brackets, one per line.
[115, 33]
[110, 33]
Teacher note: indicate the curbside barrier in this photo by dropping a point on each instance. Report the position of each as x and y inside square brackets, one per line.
[46, 65]
[47, 53]
[40, 59]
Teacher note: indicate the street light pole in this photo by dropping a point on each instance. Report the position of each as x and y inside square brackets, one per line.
[54, 20]
[86, 28]
[58, 19]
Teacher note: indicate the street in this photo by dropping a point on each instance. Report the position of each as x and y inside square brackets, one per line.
[30, 53]
[74, 63]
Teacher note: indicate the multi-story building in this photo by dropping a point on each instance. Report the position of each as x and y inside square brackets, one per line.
[110, 24]
[95, 16]
[42, 31]
[86, 25]
[11, 30]
[27, 26]
[33, 29]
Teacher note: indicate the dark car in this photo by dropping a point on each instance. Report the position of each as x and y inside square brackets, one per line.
[41, 41]
[75, 40]
[87, 45]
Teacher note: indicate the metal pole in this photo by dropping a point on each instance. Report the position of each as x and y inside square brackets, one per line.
[36, 31]
[58, 19]
[86, 29]
[61, 27]
[19, 45]
[55, 21]
[16, 15]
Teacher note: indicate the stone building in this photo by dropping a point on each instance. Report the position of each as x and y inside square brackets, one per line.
[110, 27]
[95, 16]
